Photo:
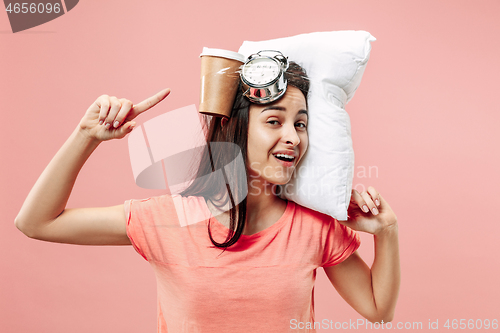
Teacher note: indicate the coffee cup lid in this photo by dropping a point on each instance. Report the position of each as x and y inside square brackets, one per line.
[223, 54]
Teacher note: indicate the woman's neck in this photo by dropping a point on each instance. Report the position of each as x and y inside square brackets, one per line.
[264, 208]
[262, 203]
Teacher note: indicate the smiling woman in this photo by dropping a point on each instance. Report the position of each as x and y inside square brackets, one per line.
[228, 253]
[261, 131]
[282, 128]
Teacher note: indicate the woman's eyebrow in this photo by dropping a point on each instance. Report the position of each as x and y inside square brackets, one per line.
[281, 108]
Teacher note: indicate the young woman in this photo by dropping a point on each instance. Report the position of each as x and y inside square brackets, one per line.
[227, 260]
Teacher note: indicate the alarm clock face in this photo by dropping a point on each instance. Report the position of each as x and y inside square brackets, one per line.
[261, 71]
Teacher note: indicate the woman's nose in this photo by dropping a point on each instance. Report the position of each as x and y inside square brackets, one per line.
[290, 135]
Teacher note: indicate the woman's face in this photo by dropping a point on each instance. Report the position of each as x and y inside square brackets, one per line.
[276, 132]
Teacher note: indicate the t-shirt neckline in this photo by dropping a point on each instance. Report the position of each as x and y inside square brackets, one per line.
[287, 214]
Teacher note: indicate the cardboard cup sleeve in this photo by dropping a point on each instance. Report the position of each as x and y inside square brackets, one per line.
[219, 81]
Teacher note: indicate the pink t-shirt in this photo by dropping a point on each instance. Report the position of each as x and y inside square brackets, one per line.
[259, 284]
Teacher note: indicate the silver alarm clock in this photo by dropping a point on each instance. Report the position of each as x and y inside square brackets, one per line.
[263, 76]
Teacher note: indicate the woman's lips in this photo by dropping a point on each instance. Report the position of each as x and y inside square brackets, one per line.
[284, 163]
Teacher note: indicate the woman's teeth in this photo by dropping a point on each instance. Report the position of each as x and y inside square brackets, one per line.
[284, 157]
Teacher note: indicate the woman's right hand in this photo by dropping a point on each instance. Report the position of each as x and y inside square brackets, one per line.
[111, 118]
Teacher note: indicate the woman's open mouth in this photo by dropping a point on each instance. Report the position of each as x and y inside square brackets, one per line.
[284, 159]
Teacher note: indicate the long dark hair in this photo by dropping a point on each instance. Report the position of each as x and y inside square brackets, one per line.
[231, 183]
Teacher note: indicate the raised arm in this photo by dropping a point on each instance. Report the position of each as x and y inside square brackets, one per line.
[43, 215]
[372, 292]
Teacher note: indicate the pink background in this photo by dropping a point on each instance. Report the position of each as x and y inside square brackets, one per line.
[425, 117]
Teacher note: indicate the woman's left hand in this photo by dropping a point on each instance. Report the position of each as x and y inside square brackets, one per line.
[369, 212]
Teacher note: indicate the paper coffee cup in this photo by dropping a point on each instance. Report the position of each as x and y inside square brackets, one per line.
[219, 81]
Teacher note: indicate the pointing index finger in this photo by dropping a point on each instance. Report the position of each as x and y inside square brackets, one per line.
[150, 102]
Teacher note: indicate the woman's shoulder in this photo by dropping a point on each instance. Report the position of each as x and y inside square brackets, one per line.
[319, 223]
[183, 210]
[311, 219]
[305, 212]
[168, 198]
[166, 203]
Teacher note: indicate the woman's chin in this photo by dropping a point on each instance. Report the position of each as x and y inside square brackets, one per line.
[280, 181]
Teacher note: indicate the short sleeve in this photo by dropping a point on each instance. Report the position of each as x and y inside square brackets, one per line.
[134, 227]
[153, 226]
[341, 242]
[149, 225]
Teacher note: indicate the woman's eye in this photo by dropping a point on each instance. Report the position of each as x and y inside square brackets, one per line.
[273, 122]
[302, 125]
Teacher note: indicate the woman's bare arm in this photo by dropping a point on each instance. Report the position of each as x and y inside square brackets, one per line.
[372, 292]
[43, 215]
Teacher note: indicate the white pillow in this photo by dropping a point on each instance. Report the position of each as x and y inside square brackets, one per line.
[335, 62]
